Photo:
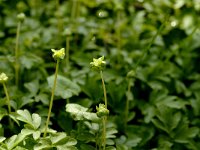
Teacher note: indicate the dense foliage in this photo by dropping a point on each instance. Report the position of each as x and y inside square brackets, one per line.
[151, 74]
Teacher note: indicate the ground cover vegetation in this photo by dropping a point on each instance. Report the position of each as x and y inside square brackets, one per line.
[99, 75]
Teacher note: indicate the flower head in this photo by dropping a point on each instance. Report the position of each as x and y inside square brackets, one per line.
[58, 54]
[3, 77]
[21, 17]
[102, 110]
[98, 64]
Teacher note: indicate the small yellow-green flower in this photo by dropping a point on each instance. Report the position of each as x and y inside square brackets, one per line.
[3, 77]
[98, 64]
[58, 54]
[102, 110]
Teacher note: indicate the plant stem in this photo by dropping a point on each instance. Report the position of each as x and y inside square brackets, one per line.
[118, 35]
[104, 89]
[57, 4]
[104, 119]
[73, 11]
[8, 103]
[52, 96]
[104, 132]
[67, 52]
[59, 19]
[7, 97]
[17, 54]
[152, 41]
[127, 105]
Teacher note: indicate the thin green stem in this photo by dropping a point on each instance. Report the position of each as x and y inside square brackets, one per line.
[127, 106]
[73, 11]
[52, 97]
[67, 52]
[104, 118]
[152, 41]
[57, 4]
[17, 54]
[118, 35]
[104, 89]
[7, 97]
[59, 19]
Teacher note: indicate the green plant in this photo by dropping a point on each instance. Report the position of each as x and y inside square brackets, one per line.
[102, 110]
[57, 55]
[67, 33]
[3, 79]
[20, 18]
[151, 76]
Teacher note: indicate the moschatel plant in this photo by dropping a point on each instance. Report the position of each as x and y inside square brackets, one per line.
[20, 18]
[102, 110]
[98, 121]
[157, 40]
[58, 55]
[3, 80]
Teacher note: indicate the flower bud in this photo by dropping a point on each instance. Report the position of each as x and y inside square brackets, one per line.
[3, 77]
[21, 17]
[67, 32]
[98, 64]
[58, 54]
[131, 74]
[102, 110]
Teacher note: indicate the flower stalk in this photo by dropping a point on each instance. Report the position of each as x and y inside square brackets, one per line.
[129, 95]
[20, 18]
[102, 111]
[67, 33]
[3, 79]
[57, 55]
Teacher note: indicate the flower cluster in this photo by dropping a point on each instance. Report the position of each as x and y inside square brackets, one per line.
[98, 64]
[102, 110]
[58, 54]
[3, 77]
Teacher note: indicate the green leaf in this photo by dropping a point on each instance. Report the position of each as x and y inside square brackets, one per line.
[58, 137]
[36, 135]
[30, 60]
[32, 86]
[64, 87]
[110, 148]
[19, 148]
[15, 140]
[2, 139]
[43, 143]
[3, 112]
[86, 136]
[164, 120]
[33, 121]
[110, 133]
[184, 133]
[79, 112]
[87, 146]
[36, 120]
[63, 147]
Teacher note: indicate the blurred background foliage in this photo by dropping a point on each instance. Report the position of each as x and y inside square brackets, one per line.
[158, 40]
